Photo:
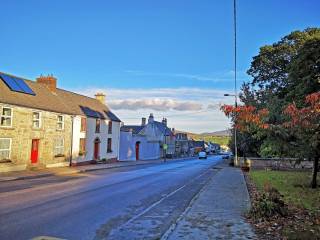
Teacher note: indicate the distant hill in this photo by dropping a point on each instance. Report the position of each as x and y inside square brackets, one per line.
[223, 133]
[220, 137]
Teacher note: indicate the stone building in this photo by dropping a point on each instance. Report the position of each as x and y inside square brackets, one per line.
[38, 125]
[146, 141]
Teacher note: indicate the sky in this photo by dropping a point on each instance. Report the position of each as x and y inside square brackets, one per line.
[172, 58]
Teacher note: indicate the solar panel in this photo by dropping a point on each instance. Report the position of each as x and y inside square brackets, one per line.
[11, 83]
[15, 84]
[24, 86]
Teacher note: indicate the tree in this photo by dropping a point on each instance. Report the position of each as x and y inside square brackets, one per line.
[306, 124]
[278, 79]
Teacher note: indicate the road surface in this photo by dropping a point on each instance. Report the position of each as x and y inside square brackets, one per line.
[122, 203]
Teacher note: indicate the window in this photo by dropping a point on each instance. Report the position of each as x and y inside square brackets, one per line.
[110, 127]
[60, 122]
[83, 124]
[6, 117]
[58, 147]
[97, 125]
[109, 149]
[5, 148]
[82, 147]
[36, 120]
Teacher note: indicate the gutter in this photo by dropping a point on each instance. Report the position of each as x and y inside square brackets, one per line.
[71, 147]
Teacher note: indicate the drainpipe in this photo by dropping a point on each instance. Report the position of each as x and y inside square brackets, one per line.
[71, 147]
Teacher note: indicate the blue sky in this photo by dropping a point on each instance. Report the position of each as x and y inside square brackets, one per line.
[180, 51]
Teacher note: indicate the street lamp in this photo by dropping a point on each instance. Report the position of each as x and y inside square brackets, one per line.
[235, 95]
[235, 129]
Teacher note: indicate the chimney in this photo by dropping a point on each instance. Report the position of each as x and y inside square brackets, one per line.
[164, 121]
[101, 97]
[143, 121]
[50, 81]
[150, 119]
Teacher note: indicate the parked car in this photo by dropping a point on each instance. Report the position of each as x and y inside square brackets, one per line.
[226, 155]
[202, 154]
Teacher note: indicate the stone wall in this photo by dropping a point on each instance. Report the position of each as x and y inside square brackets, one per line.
[22, 133]
[277, 163]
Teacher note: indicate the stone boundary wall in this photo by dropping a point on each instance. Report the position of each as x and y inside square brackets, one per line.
[277, 163]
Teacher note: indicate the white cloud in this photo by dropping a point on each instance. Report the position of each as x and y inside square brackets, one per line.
[189, 109]
[155, 104]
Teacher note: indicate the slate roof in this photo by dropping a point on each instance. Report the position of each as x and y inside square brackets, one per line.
[60, 101]
[163, 128]
[134, 128]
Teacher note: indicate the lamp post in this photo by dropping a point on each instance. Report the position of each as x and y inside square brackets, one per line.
[235, 129]
[235, 95]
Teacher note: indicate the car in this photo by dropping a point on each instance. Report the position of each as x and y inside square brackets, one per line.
[202, 154]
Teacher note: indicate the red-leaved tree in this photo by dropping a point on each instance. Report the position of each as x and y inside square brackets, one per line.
[304, 123]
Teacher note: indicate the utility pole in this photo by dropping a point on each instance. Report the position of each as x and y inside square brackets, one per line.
[235, 77]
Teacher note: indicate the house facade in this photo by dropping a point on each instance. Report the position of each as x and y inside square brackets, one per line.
[182, 144]
[44, 126]
[146, 141]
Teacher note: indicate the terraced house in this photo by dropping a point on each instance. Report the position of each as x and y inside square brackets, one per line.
[44, 126]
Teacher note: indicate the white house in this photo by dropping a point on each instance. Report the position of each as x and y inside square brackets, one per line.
[146, 141]
[96, 133]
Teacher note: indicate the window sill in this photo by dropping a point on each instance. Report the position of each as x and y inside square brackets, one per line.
[60, 130]
[36, 129]
[7, 128]
[5, 161]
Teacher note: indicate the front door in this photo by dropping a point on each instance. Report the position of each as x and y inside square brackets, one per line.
[34, 150]
[96, 150]
[137, 150]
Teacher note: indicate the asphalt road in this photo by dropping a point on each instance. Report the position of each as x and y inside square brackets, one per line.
[139, 202]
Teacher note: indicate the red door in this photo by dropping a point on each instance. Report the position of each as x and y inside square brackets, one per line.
[137, 150]
[34, 150]
[96, 150]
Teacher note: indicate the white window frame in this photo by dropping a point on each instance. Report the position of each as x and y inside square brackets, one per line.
[58, 147]
[35, 120]
[62, 122]
[10, 146]
[5, 116]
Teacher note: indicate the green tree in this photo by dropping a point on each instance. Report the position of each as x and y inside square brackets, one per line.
[277, 80]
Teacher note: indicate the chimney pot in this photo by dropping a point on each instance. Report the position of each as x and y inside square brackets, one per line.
[50, 81]
[101, 97]
[143, 121]
[164, 121]
[150, 119]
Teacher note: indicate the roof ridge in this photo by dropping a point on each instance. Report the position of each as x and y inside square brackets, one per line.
[35, 82]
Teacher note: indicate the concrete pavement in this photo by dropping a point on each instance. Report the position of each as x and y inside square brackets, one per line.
[217, 211]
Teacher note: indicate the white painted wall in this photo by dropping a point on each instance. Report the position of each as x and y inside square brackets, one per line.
[91, 135]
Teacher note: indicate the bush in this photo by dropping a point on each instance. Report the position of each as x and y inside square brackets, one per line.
[269, 204]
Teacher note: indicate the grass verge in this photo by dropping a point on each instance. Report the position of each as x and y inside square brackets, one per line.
[302, 220]
[294, 186]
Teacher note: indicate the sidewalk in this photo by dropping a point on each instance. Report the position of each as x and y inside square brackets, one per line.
[31, 174]
[217, 211]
